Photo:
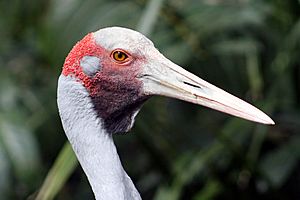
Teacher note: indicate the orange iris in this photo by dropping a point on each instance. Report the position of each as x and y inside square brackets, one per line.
[119, 56]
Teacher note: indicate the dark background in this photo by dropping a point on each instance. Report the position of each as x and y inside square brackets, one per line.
[176, 150]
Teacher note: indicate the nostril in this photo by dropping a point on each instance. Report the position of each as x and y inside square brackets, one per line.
[143, 75]
[190, 84]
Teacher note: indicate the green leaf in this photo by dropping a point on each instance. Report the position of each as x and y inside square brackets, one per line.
[278, 165]
[5, 174]
[21, 148]
[211, 189]
[59, 173]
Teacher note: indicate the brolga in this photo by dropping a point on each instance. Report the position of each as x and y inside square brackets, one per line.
[105, 80]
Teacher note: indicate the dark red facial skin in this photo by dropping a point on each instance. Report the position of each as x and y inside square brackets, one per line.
[115, 91]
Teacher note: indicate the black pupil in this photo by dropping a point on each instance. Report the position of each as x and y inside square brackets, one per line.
[120, 55]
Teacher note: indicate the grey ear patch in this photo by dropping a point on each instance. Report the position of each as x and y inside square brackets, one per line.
[90, 65]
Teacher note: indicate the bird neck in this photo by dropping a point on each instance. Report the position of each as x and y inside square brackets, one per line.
[93, 146]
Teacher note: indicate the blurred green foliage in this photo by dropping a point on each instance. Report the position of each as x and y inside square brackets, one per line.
[176, 150]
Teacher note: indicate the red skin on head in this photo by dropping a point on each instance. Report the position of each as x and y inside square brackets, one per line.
[114, 89]
[82, 48]
[110, 70]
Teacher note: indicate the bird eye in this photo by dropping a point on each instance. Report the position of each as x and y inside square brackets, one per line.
[119, 56]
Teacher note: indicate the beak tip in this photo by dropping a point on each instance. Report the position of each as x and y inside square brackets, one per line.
[271, 122]
[268, 121]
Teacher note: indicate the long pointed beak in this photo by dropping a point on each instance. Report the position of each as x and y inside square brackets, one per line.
[163, 77]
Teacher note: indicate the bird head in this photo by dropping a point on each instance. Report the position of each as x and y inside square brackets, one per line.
[120, 68]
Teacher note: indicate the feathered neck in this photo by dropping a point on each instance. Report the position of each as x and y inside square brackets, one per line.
[93, 146]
